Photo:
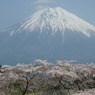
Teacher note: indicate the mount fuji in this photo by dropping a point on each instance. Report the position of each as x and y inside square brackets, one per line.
[51, 34]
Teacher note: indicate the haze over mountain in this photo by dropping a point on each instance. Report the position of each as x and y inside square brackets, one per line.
[51, 34]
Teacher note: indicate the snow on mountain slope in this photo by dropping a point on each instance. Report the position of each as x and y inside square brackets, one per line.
[56, 19]
[51, 34]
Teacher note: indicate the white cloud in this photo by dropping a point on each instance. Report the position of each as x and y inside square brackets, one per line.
[39, 7]
[45, 1]
[41, 4]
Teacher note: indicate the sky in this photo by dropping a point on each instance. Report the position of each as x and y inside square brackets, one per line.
[14, 11]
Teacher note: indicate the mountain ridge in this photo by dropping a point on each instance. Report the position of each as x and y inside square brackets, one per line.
[44, 35]
[56, 19]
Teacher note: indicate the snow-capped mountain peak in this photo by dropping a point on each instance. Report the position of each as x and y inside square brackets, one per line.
[56, 19]
[51, 34]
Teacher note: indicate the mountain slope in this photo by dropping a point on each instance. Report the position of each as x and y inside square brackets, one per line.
[51, 34]
[56, 19]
